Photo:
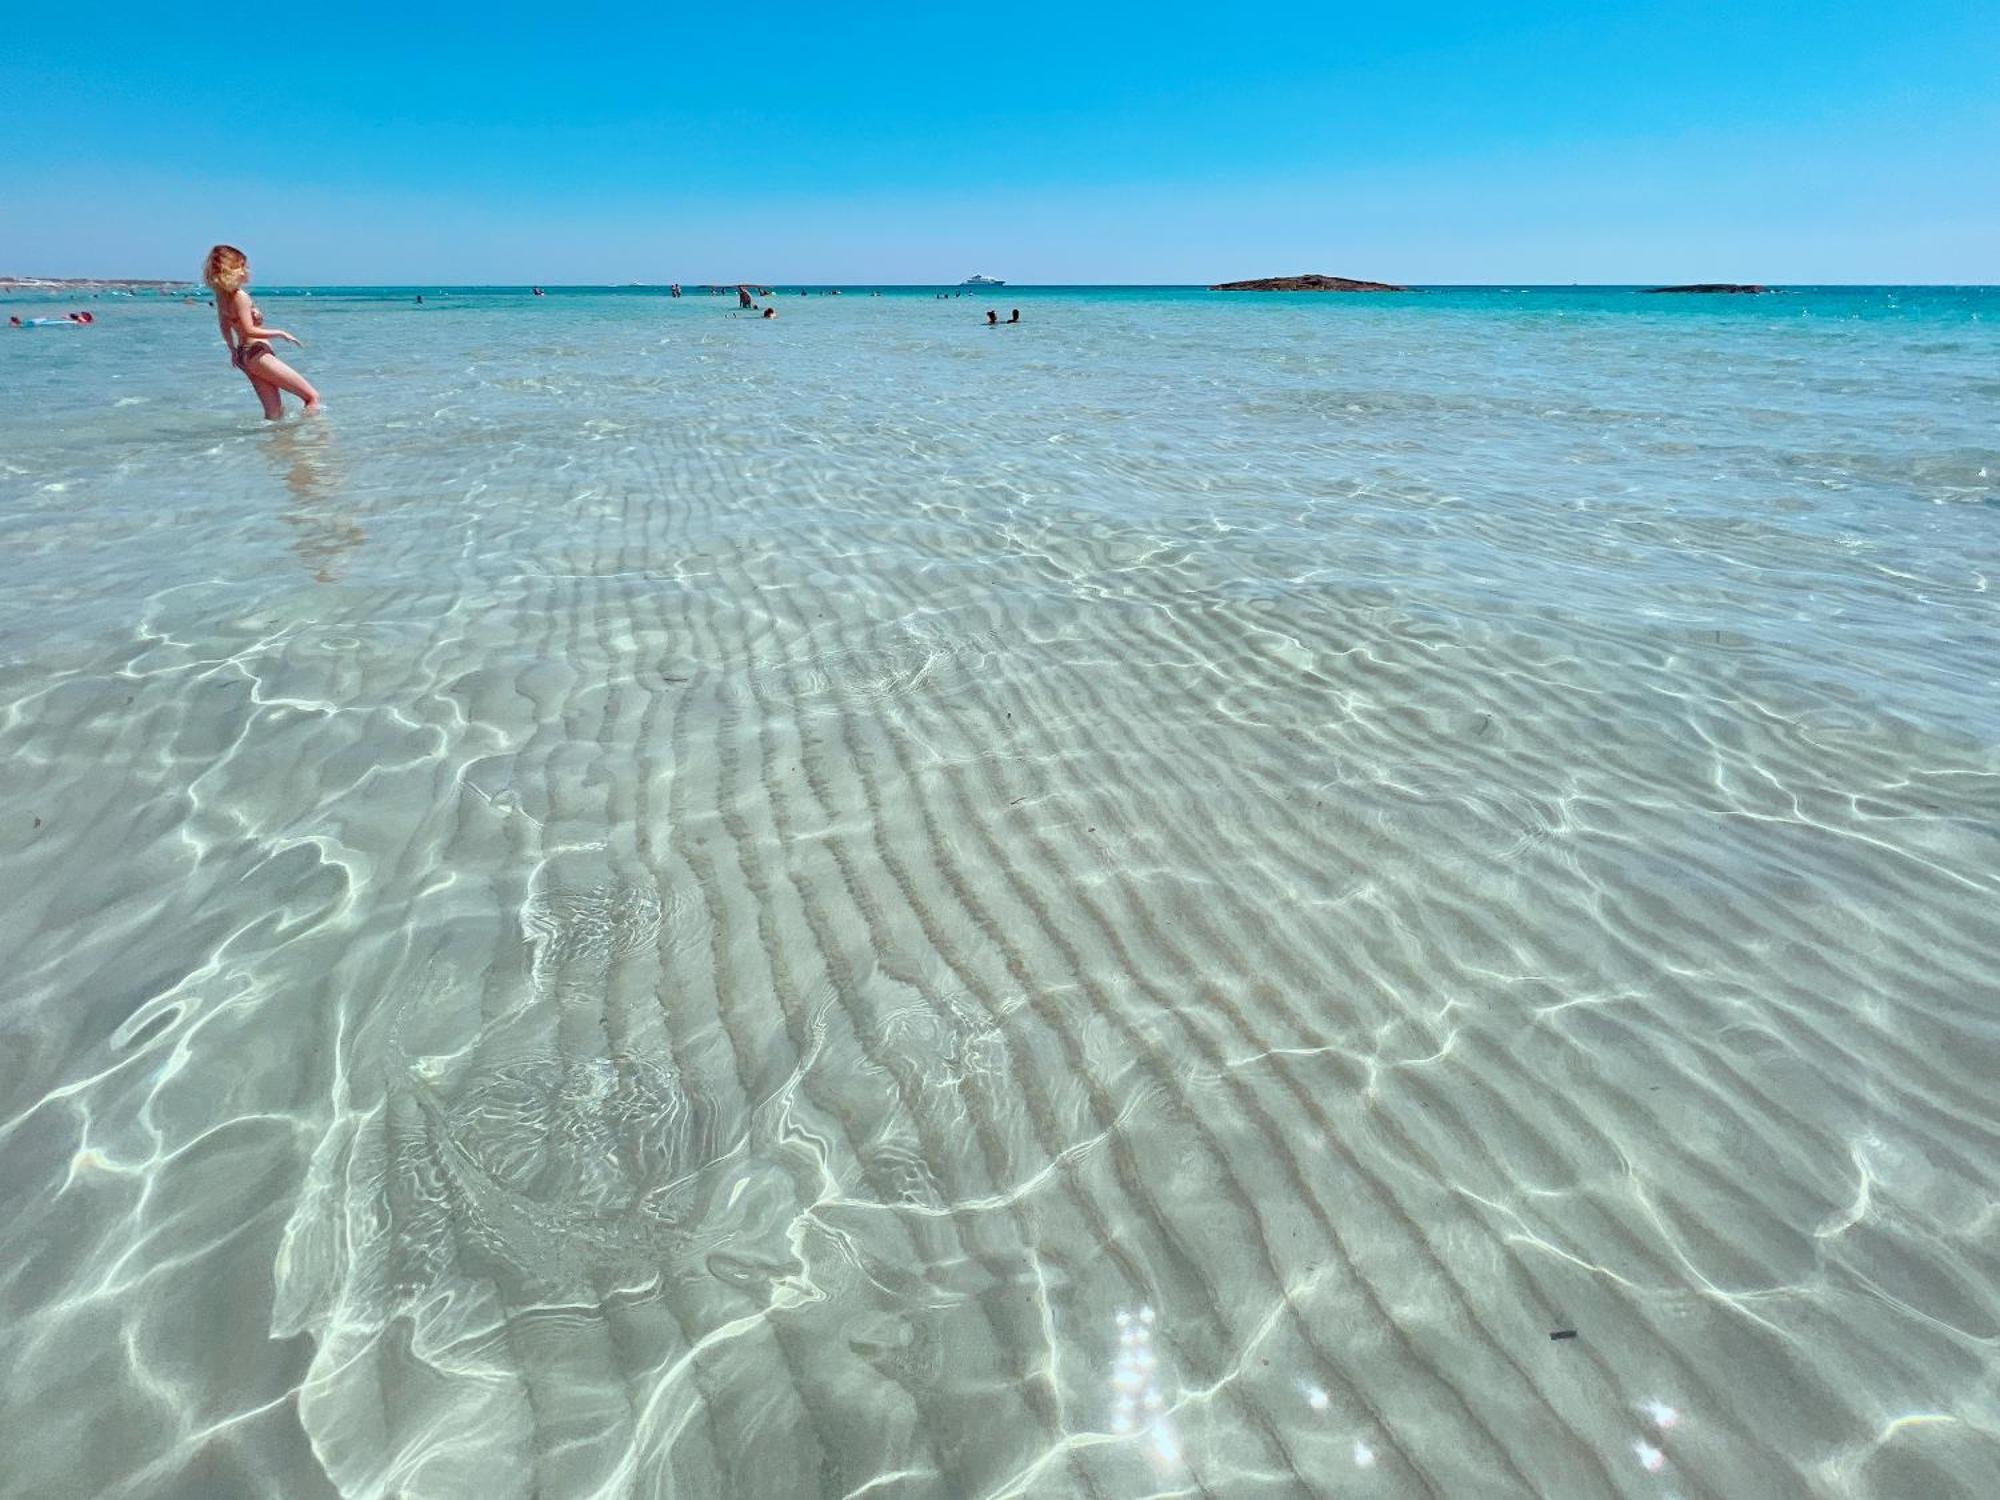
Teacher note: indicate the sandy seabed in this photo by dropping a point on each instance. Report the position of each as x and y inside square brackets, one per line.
[668, 907]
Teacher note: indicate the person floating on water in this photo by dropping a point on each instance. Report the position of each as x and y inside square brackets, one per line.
[227, 272]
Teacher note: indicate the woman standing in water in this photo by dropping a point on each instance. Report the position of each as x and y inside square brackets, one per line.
[227, 272]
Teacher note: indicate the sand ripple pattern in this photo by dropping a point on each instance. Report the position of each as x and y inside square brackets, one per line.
[1147, 906]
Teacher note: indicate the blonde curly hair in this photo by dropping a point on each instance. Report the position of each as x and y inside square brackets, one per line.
[226, 268]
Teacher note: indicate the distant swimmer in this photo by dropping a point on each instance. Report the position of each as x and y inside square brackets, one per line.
[770, 312]
[420, 299]
[540, 293]
[676, 289]
[227, 272]
[743, 297]
[992, 318]
[1017, 316]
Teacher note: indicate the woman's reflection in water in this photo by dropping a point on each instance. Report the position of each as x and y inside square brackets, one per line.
[320, 534]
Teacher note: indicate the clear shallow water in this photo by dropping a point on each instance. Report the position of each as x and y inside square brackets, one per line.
[1141, 904]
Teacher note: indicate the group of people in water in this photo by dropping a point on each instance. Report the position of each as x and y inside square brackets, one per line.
[67, 320]
[250, 340]
[746, 303]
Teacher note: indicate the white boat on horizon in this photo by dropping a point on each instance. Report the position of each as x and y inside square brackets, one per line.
[982, 281]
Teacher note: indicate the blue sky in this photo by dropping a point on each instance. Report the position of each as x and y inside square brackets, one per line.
[1451, 142]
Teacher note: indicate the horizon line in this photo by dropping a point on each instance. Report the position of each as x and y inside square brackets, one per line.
[29, 282]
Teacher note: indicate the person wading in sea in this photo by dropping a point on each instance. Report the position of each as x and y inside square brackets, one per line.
[227, 272]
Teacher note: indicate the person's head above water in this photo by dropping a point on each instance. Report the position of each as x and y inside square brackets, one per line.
[1017, 316]
[226, 268]
[770, 312]
[992, 316]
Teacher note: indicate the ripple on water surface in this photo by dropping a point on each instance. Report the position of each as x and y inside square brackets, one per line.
[1197, 896]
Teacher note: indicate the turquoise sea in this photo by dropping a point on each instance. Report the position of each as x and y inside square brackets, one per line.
[1211, 894]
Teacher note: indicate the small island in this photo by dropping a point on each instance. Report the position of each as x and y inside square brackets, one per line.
[1746, 289]
[1307, 284]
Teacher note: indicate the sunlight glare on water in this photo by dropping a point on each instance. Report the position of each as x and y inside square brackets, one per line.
[1143, 903]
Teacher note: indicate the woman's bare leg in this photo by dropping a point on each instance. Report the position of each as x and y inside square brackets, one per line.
[274, 404]
[268, 367]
